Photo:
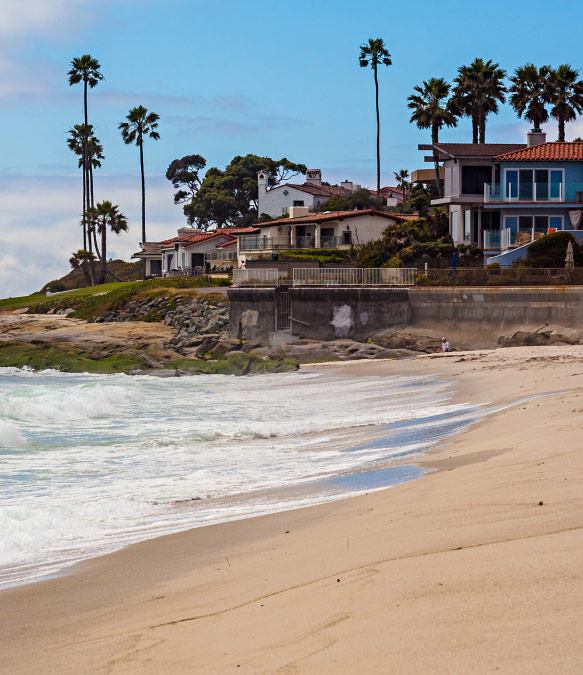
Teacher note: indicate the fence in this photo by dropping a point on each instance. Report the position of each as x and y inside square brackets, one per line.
[348, 276]
[256, 277]
[509, 276]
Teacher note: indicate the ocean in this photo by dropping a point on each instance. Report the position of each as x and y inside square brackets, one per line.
[92, 463]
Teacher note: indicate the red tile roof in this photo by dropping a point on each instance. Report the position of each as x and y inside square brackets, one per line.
[546, 152]
[337, 215]
[319, 190]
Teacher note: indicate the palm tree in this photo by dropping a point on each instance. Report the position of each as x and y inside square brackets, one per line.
[140, 123]
[375, 53]
[83, 260]
[530, 93]
[431, 110]
[106, 215]
[565, 95]
[479, 89]
[85, 69]
[401, 178]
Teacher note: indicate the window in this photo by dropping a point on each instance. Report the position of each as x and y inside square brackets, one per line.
[183, 259]
[528, 185]
[453, 224]
[511, 223]
[467, 225]
[525, 183]
[473, 179]
[556, 222]
[346, 238]
[298, 202]
[556, 185]
[525, 223]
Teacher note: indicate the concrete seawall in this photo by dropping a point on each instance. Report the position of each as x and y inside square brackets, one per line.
[359, 313]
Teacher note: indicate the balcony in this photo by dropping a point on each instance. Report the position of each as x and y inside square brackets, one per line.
[220, 255]
[248, 243]
[492, 239]
[496, 193]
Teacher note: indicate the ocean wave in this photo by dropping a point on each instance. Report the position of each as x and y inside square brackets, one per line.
[10, 436]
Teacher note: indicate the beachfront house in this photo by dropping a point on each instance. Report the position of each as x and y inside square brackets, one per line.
[192, 251]
[312, 231]
[501, 197]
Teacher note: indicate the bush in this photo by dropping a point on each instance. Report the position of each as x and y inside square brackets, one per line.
[551, 250]
[56, 286]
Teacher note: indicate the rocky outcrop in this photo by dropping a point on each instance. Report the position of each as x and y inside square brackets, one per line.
[545, 336]
[313, 351]
[412, 342]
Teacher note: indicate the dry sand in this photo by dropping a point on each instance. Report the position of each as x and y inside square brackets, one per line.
[474, 568]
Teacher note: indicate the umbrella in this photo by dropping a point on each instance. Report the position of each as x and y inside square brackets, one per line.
[569, 259]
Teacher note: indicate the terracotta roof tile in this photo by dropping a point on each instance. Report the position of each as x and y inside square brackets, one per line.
[546, 152]
[319, 190]
[336, 215]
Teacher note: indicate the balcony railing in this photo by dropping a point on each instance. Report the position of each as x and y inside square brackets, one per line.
[533, 192]
[492, 239]
[278, 243]
[221, 255]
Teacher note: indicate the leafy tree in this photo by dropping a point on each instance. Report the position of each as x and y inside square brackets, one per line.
[418, 200]
[360, 199]
[375, 53]
[401, 178]
[230, 197]
[565, 93]
[140, 123]
[85, 69]
[103, 216]
[551, 251]
[479, 88]
[529, 93]
[432, 109]
[184, 175]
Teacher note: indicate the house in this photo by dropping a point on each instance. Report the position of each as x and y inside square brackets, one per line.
[304, 230]
[391, 196]
[539, 190]
[277, 201]
[191, 248]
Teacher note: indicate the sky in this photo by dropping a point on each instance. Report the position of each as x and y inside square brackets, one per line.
[231, 77]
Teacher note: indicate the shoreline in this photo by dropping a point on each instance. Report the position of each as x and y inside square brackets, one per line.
[144, 620]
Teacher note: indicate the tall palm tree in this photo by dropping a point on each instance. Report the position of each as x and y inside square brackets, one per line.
[103, 216]
[479, 88]
[85, 69]
[565, 95]
[76, 142]
[140, 123]
[401, 178]
[375, 53]
[431, 110]
[529, 93]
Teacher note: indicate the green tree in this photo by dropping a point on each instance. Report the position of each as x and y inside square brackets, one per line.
[479, 88]
[432, 109]
[103, 216]
[140, 124]
[84, 260]
[358, 200]
[185, 178]
[375, 53]
[529, 93]
[230, 197]
[565, 93]
[85, 69]
[401, 178]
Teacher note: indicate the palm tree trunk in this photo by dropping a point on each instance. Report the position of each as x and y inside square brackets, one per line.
[376, 84]
[482, 127]
[85, 162]
[143, 205]
[561, 130]
[103, 252]
[95, 244]
[475, 128]
[435, 139]
[91, 185]
[83, 212]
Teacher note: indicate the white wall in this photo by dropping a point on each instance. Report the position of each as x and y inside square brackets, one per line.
[276, 204]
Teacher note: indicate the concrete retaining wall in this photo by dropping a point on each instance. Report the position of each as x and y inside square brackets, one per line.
[358, 313]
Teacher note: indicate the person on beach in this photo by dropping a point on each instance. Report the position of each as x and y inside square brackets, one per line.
[444, 345]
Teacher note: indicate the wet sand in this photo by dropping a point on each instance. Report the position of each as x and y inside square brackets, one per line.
[474, 568]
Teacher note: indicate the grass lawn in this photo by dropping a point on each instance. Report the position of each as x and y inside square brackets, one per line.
[35, 298]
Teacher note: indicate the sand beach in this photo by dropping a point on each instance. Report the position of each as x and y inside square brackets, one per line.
[473, 568]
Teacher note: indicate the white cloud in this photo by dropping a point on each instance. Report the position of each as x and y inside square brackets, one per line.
[19, 18]
[39, 224]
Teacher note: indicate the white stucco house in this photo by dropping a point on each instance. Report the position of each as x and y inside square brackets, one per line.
[304, 230]
[277, 201]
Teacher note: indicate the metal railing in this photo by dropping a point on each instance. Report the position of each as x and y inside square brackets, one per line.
[533, 192]
[348, 276]
[501, 276]
[256, 277]
[221, 255]
[249, 243]
[492, 239]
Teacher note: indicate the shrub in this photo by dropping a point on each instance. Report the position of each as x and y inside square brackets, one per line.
[551, 250]
[56, 286]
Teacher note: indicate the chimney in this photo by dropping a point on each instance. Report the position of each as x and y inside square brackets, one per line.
[314, 177]
[347, 185]
[187, 231]
[298, 211]
[535, 137]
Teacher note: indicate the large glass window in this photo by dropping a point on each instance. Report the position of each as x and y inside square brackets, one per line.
[541, 224]
[467, 225]
[525, 223]
[541, 179]
[454, 225]
[556, 185]
[525, 185]
[473, 179]
[556, 222]
[511, 223]
[511, 184]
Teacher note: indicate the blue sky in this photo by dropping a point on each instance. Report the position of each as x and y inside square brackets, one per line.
[230, 77]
